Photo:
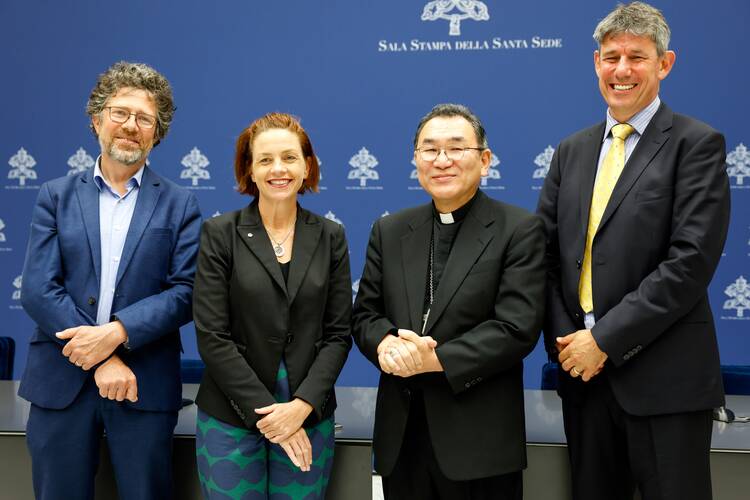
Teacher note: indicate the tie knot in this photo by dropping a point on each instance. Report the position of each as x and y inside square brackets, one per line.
[622, 131]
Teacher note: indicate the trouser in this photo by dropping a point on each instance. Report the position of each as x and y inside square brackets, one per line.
[417, 474]
[64, 446]
[613, 452]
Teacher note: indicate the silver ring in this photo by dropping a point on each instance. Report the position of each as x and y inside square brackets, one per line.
[394, 353]
[575, 371]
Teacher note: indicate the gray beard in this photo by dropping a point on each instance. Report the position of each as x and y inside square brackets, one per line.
[128, 158]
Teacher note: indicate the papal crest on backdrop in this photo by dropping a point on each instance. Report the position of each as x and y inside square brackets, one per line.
[22, 168]
[455, 11]
[738, 166]
[80, 162]
[739, 299]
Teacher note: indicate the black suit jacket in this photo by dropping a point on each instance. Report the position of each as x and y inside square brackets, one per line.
[246, 317]
[486, 318]
[654, 254]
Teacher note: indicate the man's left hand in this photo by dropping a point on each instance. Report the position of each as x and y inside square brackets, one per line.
[89, 345]
[282, 419]
[425, 346]
[116, 381]
[580, 355]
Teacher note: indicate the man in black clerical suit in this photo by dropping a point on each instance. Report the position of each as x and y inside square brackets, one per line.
[636, 209]
[450, 302]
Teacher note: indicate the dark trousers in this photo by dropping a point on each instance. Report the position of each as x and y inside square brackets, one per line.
[613, 452]
[64, 448]
[417, 475]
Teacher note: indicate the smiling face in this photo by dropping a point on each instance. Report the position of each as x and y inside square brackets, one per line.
[630, 71]
[126, 143]
[451, 183]
[279, 167]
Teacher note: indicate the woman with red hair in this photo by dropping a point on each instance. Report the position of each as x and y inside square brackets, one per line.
[272, 307]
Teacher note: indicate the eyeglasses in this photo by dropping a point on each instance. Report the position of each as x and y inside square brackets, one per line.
[452, 153]
[122, 115]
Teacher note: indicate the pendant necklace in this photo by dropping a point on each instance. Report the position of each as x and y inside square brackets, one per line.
[278, 249]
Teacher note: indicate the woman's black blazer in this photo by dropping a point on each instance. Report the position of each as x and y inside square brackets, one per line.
[246, 317]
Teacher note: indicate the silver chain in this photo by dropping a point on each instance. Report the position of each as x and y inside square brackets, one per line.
[278, 249]
[432, 259]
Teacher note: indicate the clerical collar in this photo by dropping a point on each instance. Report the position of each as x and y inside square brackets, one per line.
[446, 218]
[455, 216]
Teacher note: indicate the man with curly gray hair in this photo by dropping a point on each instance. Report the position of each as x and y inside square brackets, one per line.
[138, 76]
[636, 210]
[108, 281]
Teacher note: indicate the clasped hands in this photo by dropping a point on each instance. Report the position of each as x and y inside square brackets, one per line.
[88, 346]
[282, 425]
[579, 355]
[408, 354]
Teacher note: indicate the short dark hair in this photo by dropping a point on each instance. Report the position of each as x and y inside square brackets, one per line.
[449, 110]
[243, 157]
[138, 76]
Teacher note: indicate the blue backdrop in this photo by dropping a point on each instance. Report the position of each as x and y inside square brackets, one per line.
[360, 75]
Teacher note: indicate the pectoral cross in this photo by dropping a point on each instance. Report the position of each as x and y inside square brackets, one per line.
[424, 320]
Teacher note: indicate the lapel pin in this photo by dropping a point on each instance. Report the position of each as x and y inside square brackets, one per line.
[249, 235]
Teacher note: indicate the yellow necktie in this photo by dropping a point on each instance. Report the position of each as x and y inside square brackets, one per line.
[606, 179]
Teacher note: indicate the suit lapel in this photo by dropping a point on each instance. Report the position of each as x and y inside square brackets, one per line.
[88, 198]
[252, 233]
[588, 166]
[307, 235]
[471, 240]
[148, 195]
[654, 137]
[415, 255]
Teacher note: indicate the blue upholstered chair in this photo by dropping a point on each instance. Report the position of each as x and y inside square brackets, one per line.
[736, 379]
[7, 355]
[549, 376]
[191, 370]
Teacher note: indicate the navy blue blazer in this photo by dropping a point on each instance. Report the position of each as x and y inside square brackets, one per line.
[153, 291]
[655, 251]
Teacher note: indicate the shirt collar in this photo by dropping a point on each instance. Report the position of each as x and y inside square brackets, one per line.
[638, 121]
[455, 216]
[101, 182]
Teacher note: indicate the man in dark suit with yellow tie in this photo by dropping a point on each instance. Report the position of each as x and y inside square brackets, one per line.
[450, 302]
[636, 210]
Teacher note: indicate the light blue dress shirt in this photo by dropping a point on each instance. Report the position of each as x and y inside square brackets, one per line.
[115, 214]
[639, 122]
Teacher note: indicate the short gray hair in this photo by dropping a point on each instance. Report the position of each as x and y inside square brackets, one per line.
[636, 18]
[449, 110]
[138, 76]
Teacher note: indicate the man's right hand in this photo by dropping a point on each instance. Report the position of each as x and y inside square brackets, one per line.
[403, 356]
[116, 380]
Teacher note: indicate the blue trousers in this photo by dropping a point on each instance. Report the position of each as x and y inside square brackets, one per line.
[64, 447]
